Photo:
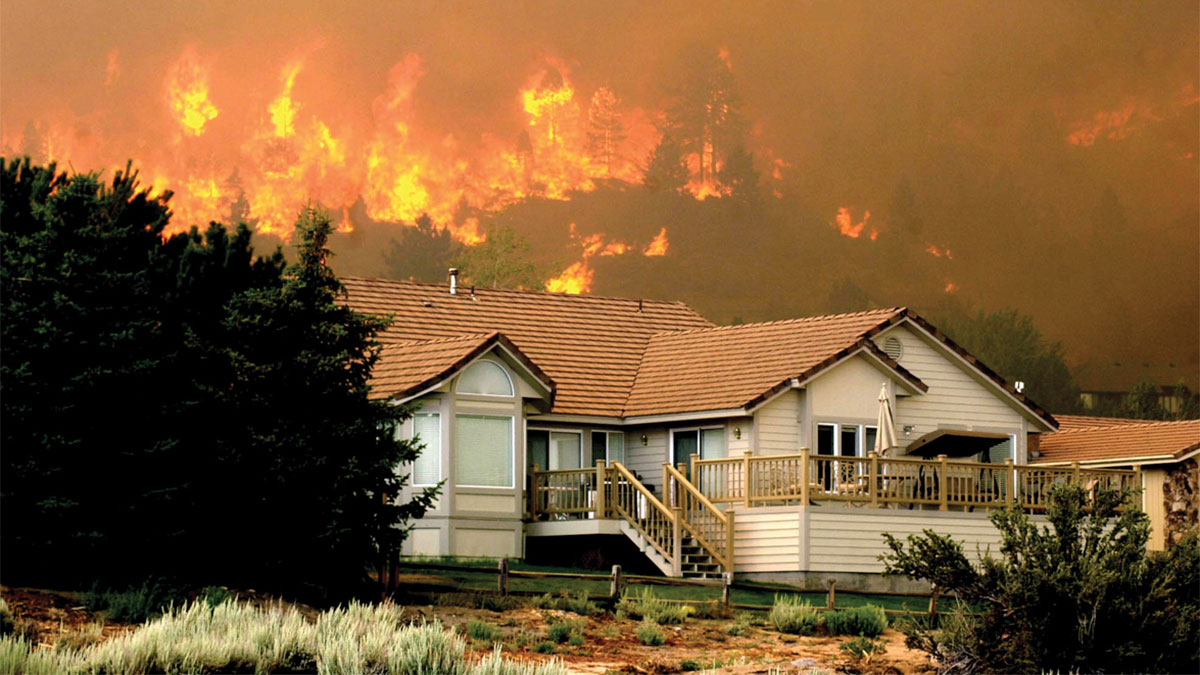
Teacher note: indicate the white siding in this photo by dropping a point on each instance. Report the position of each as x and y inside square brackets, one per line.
[955, 399]
[648, 459]
[766, 540]
[736, 447]
[851, 539]
[777, 425]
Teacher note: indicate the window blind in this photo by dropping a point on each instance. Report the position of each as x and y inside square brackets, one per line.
[483, 451]
[427, 469]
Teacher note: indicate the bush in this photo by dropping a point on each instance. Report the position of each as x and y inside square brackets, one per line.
[545, 647]
[134, 605]
[579, 604]
[713, 609]
[739, 627]
[646, 605]
[482, 631]
[80, 638]
[240, 638]
[648, 633]
[869, 621]
[1080, 595]
[790, 615]
[862, 648]
[576, 640]
[561, 631]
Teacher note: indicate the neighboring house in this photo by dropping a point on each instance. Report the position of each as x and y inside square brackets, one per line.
[773, 423]
[1105, 386]
[1166, 452]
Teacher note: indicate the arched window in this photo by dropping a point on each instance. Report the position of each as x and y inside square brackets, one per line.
[487, 378]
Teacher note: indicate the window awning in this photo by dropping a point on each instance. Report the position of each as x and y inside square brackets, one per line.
[954, 443]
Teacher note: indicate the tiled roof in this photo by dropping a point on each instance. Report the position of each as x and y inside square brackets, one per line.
[589, 346]
[405, 368]
[734, 366]
[1069, 422]
[1114, 442]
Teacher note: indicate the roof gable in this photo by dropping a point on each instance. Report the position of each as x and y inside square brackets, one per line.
[407, 369]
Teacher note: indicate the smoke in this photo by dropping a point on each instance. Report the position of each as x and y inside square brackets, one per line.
[1052, 148]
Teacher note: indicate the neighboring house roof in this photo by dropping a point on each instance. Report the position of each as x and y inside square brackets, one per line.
[407, 368]
[1112, 444]
[1122, 376]
[738, 366]
[615, 357]
[1069, 422]
[590, 346]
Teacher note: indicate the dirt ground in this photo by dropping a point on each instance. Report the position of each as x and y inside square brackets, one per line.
[609, 646]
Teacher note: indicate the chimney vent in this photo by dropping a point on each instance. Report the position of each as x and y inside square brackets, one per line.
[639, 305]
[453, 281]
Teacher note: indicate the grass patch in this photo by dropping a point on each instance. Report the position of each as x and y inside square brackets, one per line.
[578, 604]
[482, 631]
[646, 605]
[239, 638]
[649, 634]
[793, 615]
[868, 621]
[862, 648]
[135, 604]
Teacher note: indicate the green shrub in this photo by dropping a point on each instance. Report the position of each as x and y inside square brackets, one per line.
[648, 633]
[645, 605]
[688, 665]
[84, 636]
[545, 647]
[134, 605]
[579, 603]
[862, 648]
[713, 609]
[576, 640]
[869, 621]
[559, 632]
[489, 601]
[739, 627]
[215, 595]
[482, 631]
[791, 615]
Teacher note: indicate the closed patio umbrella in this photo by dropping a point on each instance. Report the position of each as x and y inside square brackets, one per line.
[885, 438]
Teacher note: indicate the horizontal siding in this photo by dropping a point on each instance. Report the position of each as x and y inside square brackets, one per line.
[648, 459]
[846, 540]
[766, 541]
[777, 426]
[954, 399]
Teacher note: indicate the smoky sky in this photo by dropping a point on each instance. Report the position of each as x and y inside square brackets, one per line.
[969, 105]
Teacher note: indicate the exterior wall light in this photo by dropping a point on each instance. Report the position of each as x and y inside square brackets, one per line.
[737, 433]
[644, 439]
[908, 429]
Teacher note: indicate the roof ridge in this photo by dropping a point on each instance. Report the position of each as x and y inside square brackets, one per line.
[779, 322]
[455, 338]
[478, 289]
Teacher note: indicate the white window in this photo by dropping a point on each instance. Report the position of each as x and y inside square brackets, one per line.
[608, 446]
[483, 451]
[486, 378]
[707, 443]
[427, 430]
[846, 440]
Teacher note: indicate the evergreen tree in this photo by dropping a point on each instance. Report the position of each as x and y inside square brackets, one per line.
[666, 169]
[705, 116]
[605, 131]
[421, 252]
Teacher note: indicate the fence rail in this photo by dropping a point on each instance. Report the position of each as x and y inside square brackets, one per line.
[809, 478]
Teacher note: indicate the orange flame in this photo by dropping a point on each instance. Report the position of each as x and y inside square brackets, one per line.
[936, 252]
[657, 246]
[574, 280]
[187, 93]
[846, 225]
[951, 287]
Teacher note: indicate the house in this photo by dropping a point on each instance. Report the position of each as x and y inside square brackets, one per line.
[1166, 452]
[554, 418]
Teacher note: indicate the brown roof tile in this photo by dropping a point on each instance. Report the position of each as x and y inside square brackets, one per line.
[1114, 442]
[589, 346]
[1069, 422]
[733, 366]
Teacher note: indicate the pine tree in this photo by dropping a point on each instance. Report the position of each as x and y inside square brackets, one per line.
[666, 170]
[605, 131]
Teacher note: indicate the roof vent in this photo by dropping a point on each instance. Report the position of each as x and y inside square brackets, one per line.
[453, 281]
[894, 348]
[1019, 386]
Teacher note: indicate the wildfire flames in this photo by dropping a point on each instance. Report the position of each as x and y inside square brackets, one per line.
[577, 278]
[846, 225]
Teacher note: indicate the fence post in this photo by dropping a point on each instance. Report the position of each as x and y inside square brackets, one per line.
[1010, 482]
[805, 479]
[746, 478]
[614, 591]
[729, 541]
[533, 492]
[503, 576]
[831, 593]
[601, 498]
[873, 487]
[943, 486]
[728, 579]
[933, 608]
[676, 541]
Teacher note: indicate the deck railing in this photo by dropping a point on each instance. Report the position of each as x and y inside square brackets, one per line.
[711, 527]
[809, 478]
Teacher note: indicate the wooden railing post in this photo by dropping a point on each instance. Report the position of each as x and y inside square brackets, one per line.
[943, 485]
[729, 542]
[666, 493]
[805, 479]
[533, 500]
[601, 499]
[746, 478]
[676, 541]
[873, 487]
[1010, 482]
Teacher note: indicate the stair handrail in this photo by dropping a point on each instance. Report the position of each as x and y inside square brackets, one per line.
[695, 506]
[660, 537]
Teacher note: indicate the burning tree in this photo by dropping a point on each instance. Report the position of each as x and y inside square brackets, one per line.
[605, 131]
